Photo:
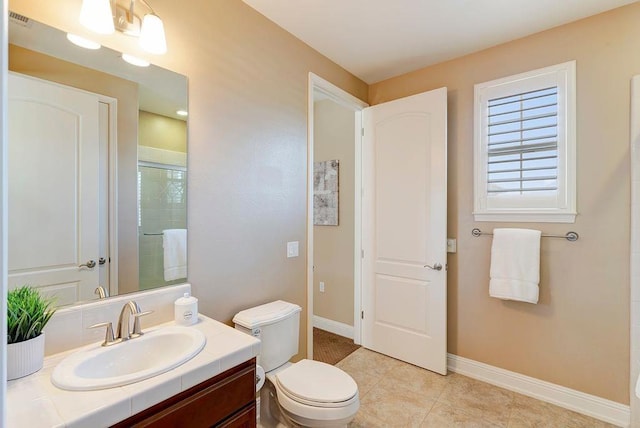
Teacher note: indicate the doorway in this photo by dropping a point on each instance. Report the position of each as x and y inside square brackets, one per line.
[399, 224]
[333, 238]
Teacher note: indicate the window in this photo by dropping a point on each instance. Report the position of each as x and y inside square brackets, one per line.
[524, 147]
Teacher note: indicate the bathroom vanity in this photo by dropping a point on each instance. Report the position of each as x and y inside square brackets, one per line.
[226, 400]
[214, 388]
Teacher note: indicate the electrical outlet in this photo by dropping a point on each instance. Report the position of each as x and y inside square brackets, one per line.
[292, 249]
[452, 245]
[321, 287]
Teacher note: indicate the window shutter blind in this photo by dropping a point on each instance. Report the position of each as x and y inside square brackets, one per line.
[522, 142]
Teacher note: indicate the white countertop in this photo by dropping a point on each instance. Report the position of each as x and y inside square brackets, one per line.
[34, 402]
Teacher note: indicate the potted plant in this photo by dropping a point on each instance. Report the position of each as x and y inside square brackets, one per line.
[27, 314]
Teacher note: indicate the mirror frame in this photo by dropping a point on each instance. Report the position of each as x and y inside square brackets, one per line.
[4, 65]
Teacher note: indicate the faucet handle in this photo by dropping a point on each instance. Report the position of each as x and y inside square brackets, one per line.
[101, 292]
[137, 331]
[108, 337]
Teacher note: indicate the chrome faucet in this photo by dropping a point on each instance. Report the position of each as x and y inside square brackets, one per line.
[130, 309]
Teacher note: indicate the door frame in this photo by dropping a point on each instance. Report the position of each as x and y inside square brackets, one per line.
[112, 184]
[334, 93]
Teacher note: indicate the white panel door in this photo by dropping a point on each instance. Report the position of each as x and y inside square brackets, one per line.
[53, 188]
[404, 229]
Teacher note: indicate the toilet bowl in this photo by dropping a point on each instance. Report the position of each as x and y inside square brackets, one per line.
[315, 394]
[306, 393]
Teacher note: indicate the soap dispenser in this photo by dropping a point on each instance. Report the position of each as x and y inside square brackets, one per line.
[186, 310]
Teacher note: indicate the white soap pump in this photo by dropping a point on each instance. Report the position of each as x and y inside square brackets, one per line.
[186, 310]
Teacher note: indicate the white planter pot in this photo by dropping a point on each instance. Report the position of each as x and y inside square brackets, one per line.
[24, 358]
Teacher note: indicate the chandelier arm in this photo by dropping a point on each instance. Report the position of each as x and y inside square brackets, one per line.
[148, 5]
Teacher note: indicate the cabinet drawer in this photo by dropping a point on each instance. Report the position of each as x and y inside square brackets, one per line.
[246, 418]
[204, 405]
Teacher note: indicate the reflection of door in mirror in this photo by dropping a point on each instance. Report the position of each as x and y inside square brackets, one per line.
[58, 222]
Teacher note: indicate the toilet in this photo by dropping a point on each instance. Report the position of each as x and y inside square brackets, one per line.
[307, 393]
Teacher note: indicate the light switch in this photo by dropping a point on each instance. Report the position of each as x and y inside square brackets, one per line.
[452, 245]
[321, 286]
[292, 249]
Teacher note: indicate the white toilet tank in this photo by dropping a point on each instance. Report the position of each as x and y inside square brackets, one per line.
[277, 325]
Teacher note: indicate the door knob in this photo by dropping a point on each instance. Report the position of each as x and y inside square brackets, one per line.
[102, 261]
[436, 266]
[90, 264]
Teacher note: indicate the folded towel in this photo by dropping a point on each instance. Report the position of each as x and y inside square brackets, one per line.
[515, 265]
[174, 242]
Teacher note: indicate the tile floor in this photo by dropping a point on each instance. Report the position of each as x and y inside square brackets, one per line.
[397, 394]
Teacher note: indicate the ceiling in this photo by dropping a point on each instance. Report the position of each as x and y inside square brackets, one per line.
[379, 39]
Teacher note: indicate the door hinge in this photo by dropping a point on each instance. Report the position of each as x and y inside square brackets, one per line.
[362, 253]
[361, 314]
[362, 129]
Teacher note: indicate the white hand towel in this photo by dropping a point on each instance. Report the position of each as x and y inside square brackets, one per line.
[174, 242]
[515, 265]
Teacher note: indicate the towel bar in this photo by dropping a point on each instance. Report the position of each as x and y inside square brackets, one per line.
[570, 236]
[153, 234]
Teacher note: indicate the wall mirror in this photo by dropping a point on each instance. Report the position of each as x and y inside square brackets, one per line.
[97, 168]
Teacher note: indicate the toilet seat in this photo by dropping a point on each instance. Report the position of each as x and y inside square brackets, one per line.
[310, 390]
[317, 384]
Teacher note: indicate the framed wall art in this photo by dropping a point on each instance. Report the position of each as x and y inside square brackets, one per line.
[325, 193]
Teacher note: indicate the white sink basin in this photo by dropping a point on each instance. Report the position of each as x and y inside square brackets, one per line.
[131, 361]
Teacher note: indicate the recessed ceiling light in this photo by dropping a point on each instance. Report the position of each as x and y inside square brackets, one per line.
[135, 60]
[82, 42]
[182, 113]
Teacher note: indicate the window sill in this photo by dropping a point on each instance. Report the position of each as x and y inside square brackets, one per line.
[520, 217]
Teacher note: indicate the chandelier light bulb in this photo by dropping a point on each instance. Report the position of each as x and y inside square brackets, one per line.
[152, 37]
[96, 15]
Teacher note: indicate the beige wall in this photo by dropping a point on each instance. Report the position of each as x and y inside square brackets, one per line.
[578, 334]
[247, 181]
[247, 144]
[162, 132]
[334, 130]
[49, 68]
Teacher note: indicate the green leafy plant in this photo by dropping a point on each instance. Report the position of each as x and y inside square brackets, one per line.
[27, 314]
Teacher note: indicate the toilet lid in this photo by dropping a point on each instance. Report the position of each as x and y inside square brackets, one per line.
[315, 382]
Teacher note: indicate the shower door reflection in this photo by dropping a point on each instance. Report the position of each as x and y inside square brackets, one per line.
[162, 205]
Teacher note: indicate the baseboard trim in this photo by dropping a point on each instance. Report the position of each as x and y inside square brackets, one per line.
[334, 327]
[590, 405]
